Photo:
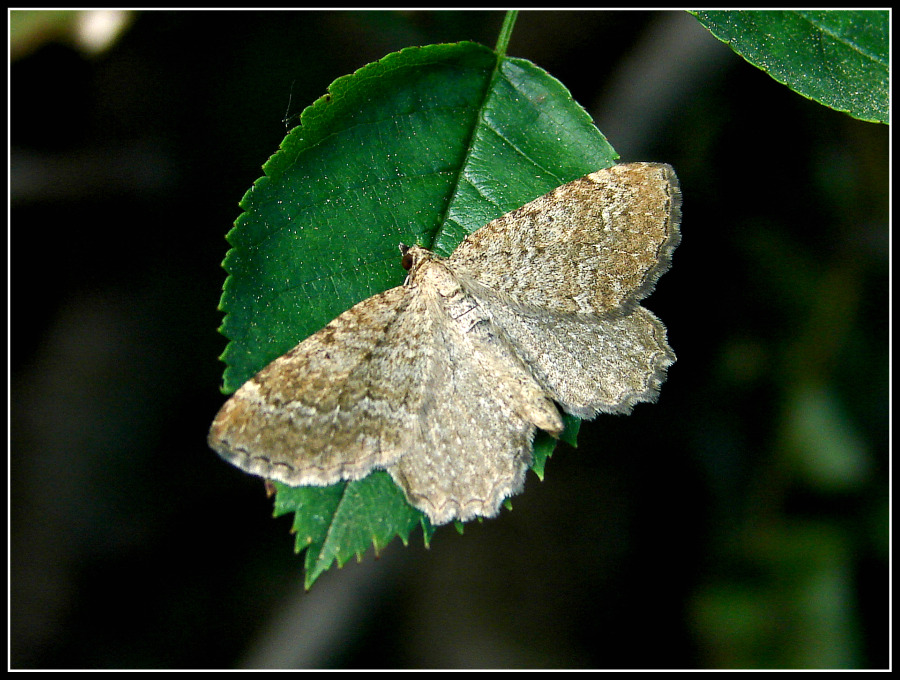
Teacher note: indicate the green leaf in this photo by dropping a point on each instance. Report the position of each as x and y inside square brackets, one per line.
[337, 522]
[544, 443]
[424, 146]
[839, 58]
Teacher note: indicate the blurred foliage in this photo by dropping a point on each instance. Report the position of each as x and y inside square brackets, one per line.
[91, 31]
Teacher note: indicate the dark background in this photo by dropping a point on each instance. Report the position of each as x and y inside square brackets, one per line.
[740, 522]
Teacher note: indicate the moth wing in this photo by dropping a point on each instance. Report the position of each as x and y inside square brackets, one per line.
[590, 246]
[341, 403]
[587, 363]
[473, 443]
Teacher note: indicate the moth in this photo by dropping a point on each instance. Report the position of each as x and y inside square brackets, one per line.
[444, 380]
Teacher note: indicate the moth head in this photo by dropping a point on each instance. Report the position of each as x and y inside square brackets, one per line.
[413, 257]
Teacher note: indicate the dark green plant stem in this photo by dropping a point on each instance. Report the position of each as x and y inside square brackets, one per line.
[505, 32]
